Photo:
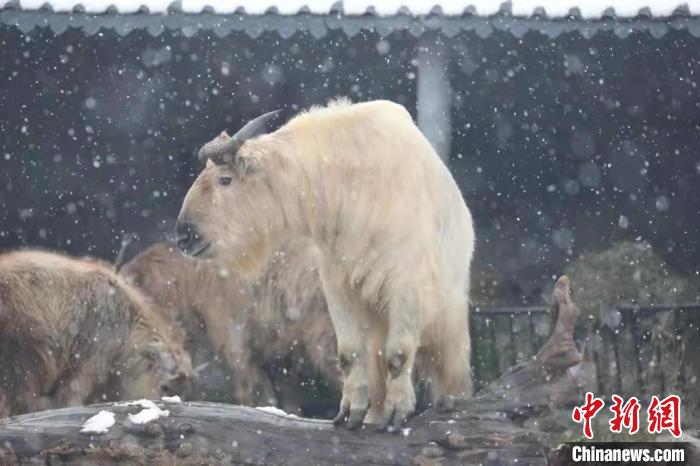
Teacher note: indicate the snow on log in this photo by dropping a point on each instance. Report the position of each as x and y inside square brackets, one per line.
[486, 429]
[99, 423]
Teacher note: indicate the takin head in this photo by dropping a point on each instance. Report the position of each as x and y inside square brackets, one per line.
[158, 363]
[230, 211]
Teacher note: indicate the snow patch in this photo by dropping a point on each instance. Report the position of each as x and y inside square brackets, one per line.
[150, 411]
[171, 399]
[144, 403]
[275, 410]
[99, 423]
[147, 415]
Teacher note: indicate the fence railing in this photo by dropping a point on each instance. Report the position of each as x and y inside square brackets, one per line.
[648, 348]
[503, 336]
[636, 350]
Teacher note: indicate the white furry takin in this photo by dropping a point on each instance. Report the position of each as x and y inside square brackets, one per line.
[394, 237]
[73, 332]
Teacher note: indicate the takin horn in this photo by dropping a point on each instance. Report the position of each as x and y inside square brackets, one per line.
[196, 371]
[223, 148]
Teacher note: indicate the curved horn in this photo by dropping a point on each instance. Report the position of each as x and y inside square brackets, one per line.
[223, 148]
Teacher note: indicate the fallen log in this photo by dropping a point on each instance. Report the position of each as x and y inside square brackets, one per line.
[487, 429]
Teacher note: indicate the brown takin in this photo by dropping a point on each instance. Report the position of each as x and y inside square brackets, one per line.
[73, 332]
[395, 240]
[274, 333]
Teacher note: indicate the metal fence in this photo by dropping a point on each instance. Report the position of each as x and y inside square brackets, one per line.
[637, 350]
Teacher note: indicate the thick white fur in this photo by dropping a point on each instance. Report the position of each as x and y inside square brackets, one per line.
[394, 239]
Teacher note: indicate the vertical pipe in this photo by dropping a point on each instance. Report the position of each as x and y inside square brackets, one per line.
[596, 362]
[678, 346]
[476, 371]
[497, 366]
[618, 368]
[636, 337]
[534, 341]
[513, 350]
[434, 94]
[662, 381]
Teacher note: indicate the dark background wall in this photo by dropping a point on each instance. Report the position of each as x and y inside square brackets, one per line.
[559, 145]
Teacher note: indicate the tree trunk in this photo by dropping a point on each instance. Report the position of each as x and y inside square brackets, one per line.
[486, 429]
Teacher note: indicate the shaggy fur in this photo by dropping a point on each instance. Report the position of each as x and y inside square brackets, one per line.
[394, 236]
[278, 323]
[71, 332]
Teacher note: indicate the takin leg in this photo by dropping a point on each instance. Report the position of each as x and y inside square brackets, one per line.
[452, 351]
[352, 328]
[319, 346]
[402, 343]
[74, 389]
[377, 377]
[251, 386]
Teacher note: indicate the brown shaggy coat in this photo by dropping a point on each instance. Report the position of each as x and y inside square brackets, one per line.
[274, 333]
[72, 331]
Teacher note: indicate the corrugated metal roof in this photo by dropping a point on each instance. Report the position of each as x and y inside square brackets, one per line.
[318, 17]
[587, 9]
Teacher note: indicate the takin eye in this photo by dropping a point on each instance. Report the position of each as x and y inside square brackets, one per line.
[225, 180]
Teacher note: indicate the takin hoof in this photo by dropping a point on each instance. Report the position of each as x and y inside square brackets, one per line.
[394, 419]
[352, 418]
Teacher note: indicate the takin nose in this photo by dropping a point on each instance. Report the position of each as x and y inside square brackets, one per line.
[187, 237]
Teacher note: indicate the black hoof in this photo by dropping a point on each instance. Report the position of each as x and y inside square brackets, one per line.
[355, 419]
[340, 417]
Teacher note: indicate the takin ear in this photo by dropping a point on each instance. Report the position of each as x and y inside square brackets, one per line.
[245, 165]
[220, 150]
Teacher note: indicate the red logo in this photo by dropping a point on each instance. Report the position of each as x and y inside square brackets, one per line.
[661, 415]
[625, 415]
[587, 412]
[665, 415]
